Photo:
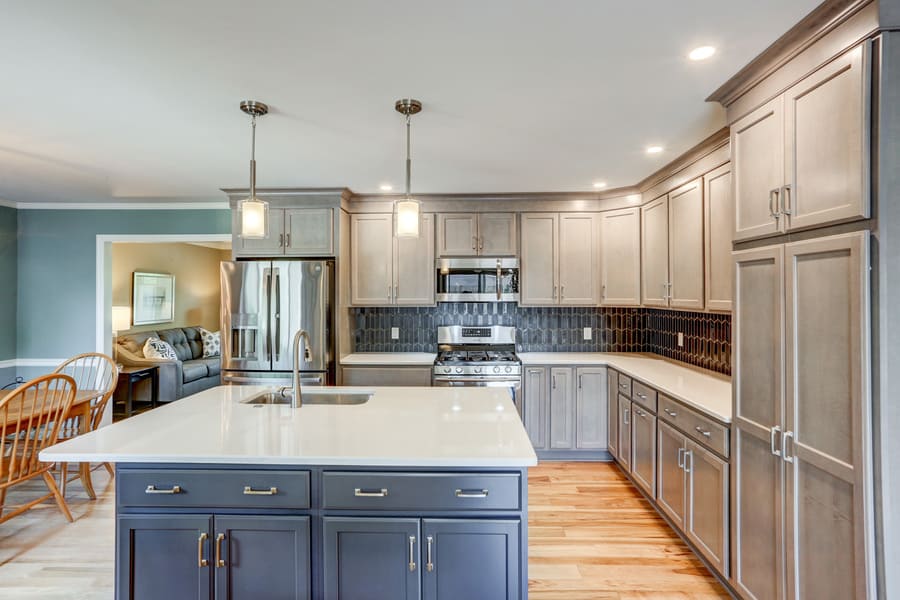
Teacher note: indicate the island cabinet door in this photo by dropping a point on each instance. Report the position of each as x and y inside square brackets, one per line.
[261, 557]
[471, 559]
[368, 558]
[164, 557]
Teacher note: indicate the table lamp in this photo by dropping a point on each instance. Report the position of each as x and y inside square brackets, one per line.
[121, 321]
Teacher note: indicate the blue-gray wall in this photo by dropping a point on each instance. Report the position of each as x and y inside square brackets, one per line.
[57, 267]
[8, 270]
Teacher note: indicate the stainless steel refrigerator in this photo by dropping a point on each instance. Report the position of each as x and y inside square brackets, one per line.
[264, 302]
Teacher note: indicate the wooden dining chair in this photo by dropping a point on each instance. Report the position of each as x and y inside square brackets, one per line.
[30, 420]
[91, 371]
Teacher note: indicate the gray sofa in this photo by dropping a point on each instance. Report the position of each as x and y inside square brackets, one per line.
[190, 374]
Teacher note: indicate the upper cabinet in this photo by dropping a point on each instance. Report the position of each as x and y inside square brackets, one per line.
[718, 214]
[620, 257]
[560, 259]
[655, 252]
[481, 234]
[801, 160]
[385, 270]
[686, 246]
[292, 232]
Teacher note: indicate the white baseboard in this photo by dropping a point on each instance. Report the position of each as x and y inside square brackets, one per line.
[31, 362]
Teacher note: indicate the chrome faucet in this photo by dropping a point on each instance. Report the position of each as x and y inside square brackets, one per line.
[296, 398]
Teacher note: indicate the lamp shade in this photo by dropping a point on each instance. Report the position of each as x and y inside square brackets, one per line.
[406, 216]
[254, 218]
[121, 318]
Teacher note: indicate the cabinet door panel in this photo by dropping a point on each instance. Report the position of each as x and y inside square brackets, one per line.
[371, 258]
[309, 231]
[612, 435]
[643, 448]
[414, 270]
[757, 155]
[457, 235]
[497, 235]
[620, 257]
[707, 505]
[827, 416]
[272, 245]
[536, 406]
[153, 545]
[686, 246]
[263, 553]
[539, 259]
[591, 412]
[670, 473]
[718, 229]
[562, 409]
[655, 252]
[473, 559]
[625, 432]
[367, 558]
[827, 142]
[579, 257]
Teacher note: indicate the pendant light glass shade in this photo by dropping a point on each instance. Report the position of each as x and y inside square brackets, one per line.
[253, 211]
[406, 218]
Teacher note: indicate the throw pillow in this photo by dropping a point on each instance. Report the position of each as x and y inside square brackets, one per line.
[212, 342]
[158, 349]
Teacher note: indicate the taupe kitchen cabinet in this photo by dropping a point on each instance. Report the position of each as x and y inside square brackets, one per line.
[643, 437]
[536, 405]
[624, 441]
[477, 234]
[612, 418]
[591, 413]
[562, 408]
[620, 257]
[655, 252]
[800, 160]
[671, 446]
[801, 426]
[385, 270]
[718, 228]
[292, 232]
[706, 504]
[560, 259]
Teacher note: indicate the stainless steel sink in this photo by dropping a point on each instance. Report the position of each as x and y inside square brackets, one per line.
[336, 397]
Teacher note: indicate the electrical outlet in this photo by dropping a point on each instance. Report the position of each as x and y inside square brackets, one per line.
[395, 333]
[588, 334]
[680, 340]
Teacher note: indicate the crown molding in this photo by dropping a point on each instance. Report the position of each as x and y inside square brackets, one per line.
[217, 205]
[7, 203]
[693, 155]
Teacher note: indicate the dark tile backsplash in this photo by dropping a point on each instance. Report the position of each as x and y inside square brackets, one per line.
[707, 337]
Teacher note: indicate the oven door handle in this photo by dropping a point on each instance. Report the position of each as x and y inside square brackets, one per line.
[496, 380]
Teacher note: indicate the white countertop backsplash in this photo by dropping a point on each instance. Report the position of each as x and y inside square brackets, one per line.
[397, 427]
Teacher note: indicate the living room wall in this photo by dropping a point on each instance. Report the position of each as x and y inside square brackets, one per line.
[8, 276]
[196, 271]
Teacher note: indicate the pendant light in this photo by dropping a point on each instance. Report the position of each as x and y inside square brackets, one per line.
[253, 211]
[406, 211]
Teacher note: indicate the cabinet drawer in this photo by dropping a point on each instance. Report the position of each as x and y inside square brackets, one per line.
[704, 430]
[643, 395]
[420, 491]
[212, 489]
[624, 384]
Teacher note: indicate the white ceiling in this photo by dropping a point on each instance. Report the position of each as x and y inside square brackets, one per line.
[121, 100]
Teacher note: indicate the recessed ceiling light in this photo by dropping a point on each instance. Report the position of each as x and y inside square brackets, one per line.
[654, 149]
[599, 184]
[385, 187]
[701, 53]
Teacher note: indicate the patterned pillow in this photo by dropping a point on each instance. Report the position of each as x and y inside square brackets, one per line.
[211, 343]
[158, 349]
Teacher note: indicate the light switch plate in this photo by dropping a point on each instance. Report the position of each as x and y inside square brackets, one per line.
[680, 340]
[588, 334]
[395, 333]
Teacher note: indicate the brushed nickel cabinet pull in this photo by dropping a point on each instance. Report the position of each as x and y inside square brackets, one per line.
[201, 562]
[412, 549]
[625, 417]
[774, 200]
[152, 489]
[562, 292]
[688, 454]
[481, 243]
[249, 491]
[681, 458]
[219, 561]
[641, 396]
[624, 386]
[772, 433]
[474, 242]
[671, 413]
[471, 493]
[280, 240]
[429, 560]
[702, 431]
[287, 240]
[788, 435]
[786, 200]
[361, 493]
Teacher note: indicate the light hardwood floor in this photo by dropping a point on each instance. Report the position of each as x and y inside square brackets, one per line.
[591, 536]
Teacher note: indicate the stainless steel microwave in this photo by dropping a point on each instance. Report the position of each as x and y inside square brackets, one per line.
[477, 279]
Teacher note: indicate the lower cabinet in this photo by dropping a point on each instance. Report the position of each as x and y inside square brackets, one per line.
[562, 409]
[434, 559]
[671, 446]
[643, 448]
[612, 415]
[536, 405]
[624, 444]
[174, 557]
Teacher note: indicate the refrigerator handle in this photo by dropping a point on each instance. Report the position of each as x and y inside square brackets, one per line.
[266, 289]
[277, 315]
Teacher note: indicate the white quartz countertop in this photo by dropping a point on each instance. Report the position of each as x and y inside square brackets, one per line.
[387, 359]
[403, 427]
[707, 392]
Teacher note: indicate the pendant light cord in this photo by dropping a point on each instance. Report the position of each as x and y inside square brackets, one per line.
[408, 160]
[253, 157]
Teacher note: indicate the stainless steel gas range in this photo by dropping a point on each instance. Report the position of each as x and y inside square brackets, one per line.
[478, 357]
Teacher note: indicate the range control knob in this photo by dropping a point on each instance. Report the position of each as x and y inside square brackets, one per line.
[478, 369]
[447, 369]
[459, 369]
[509, 369]
[496, 369]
